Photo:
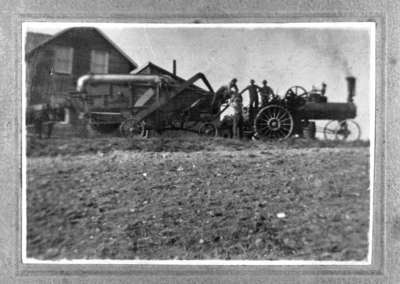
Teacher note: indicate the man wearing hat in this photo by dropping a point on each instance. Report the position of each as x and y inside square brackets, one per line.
[266, 93]
[233, 86]
[253, 96]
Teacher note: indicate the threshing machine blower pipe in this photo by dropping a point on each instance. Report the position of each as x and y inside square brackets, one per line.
[84, 80]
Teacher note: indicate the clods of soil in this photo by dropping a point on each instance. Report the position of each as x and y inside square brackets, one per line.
[197, 199]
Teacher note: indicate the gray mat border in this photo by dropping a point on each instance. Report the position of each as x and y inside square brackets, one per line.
[382, 240]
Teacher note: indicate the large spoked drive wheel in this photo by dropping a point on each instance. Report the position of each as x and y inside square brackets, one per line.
[345, 130]
[274, 122]
[208, 129]
[130, 128]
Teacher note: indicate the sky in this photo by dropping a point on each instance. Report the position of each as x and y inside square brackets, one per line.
[283, 54]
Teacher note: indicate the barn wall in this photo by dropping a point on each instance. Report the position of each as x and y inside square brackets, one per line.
[41, 85]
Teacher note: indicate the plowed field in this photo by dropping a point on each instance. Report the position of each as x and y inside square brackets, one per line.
[165, 198]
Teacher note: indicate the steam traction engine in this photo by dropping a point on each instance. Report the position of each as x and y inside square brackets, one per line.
[296, 112]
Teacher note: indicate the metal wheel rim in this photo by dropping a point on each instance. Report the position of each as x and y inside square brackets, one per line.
[208, 130]
[333, 131]
[176, 121]
[130, 128]
[274, 122]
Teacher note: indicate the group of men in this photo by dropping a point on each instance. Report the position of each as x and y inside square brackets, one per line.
[265, 92]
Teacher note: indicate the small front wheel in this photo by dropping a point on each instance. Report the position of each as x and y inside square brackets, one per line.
[208, 129]
[345, 130]
[130, 128]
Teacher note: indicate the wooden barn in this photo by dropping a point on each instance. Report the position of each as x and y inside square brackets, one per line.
[54, 63]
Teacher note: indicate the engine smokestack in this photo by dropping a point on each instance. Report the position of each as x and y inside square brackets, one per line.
[351, 88]
[174, 67]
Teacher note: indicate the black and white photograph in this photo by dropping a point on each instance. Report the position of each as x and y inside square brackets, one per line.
[198, 143]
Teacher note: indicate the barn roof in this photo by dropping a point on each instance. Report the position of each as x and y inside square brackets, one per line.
[81, 29]
[33, 40]
[160, 69]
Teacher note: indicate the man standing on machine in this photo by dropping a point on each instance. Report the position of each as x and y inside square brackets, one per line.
[266, 93]
[233, 86]
[253, 95]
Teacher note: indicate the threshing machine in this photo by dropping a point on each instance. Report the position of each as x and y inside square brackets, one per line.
[157, 102]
